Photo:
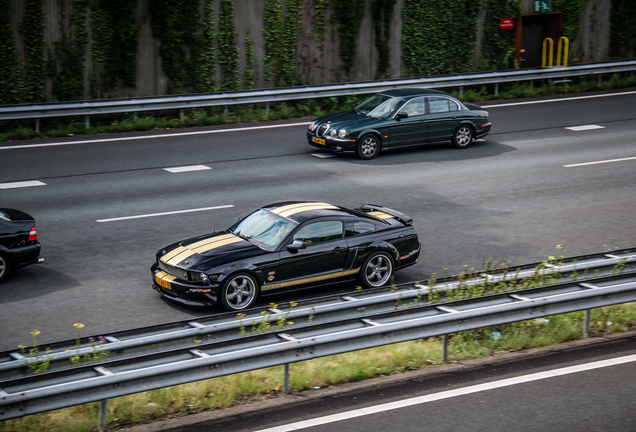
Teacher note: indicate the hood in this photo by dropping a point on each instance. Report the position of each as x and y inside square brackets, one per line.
[350, 118]
[206, 252]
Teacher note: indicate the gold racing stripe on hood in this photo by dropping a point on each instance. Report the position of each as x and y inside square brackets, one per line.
[177, 255]
[291, 209]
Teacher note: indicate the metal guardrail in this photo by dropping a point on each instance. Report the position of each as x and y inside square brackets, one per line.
[87, 108]
[161, 367]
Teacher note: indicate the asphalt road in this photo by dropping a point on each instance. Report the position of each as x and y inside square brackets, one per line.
[512, 198]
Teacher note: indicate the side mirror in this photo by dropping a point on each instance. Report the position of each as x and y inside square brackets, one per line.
[401, 115]
[296, 245]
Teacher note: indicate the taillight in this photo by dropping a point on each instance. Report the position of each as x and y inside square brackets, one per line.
[33, 235]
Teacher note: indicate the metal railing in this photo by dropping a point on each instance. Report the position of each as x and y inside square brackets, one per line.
[181, 102]
[167, 355]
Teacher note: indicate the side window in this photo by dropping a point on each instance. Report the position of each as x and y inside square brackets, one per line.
[357, 228]
[415, 107]
[438, 105]
[319, 232]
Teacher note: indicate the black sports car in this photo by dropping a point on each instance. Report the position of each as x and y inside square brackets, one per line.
[399, 118]
[286, 246]
[18, 241]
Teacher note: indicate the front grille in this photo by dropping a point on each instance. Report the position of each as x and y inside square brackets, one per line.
[322, 129]
[173, 271]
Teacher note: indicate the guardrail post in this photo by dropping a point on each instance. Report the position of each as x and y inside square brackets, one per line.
[445, 349]
[181, 115]
[37, 125]
[496, 89]
[87, 121]
[586, 328]
[286, 385]
[102, 415]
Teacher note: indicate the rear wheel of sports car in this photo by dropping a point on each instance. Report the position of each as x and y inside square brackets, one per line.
[377, 270]
[5, 267]
[368, 147]
[239, 292]
[462, 137]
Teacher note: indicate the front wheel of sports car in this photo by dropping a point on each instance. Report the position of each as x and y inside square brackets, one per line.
[377, 270]
[239, 292]
[368, 147]
[5, 267]
[462, 137]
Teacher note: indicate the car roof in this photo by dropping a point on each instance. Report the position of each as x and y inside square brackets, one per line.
[407, 93]
[301, 211]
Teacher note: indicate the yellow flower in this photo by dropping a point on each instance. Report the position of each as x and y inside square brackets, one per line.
[35, 332]
[293, 304]
[21, 346]
[79, 325]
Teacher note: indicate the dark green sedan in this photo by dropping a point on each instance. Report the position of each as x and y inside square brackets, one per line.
[400, 118]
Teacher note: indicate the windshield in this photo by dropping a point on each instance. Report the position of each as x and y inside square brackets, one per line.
[263, 227]
[379, 106]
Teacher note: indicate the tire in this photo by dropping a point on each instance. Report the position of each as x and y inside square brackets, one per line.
[463, 137]
[239, 292]
[368, 146]
[377, 270]
[5, 267]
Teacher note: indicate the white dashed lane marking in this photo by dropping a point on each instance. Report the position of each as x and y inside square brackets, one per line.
[21, 184]
[584, 128]
[187, 168]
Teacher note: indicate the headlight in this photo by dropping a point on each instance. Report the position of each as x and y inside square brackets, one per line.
[200, 277]
[313, 126]
[333, 132]
[342, 133]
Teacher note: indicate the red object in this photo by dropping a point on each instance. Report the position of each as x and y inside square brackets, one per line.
[33, 236]
[506, 23]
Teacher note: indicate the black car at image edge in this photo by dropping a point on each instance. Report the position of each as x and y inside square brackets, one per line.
[18, 241]
[286, 246]
[400, 118]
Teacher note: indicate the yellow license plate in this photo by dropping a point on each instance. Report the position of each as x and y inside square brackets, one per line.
[318, 140]
[163, 283]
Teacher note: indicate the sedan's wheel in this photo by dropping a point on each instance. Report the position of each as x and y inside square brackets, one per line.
[5, 267]
[239, 292]
[368, 147]
[462, 137]
[377, 270]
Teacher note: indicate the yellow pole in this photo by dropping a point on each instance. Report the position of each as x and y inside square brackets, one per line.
[551, 42]
[566, 47]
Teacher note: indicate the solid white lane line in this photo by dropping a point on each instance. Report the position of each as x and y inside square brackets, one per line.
[600, 162]
[584, 128]
[164, 213]
[558, 100]
[449, 394]
[187, 168]
[172, 135]
[323, 155]
[21, 184]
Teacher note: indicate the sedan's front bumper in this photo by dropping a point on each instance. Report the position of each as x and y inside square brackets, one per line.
[329, 143]
[185, 293]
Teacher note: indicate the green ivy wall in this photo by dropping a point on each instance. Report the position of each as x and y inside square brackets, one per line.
[59, 50]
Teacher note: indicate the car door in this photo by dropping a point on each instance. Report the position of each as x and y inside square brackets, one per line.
[409, 126]
[322, 258]
[442, 119]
